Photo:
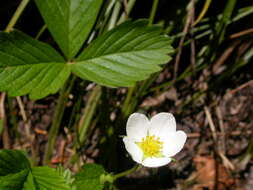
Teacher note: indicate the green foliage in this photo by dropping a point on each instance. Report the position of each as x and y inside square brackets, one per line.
[16, 173]
[12, 161]
[124, 55]
[48, 178]
[13, 181]
[30, 66]
[89, 178]
[69, 21]
[14, 168]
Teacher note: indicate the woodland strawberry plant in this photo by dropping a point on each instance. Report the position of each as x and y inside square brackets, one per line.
[83, 82]
[118, 55]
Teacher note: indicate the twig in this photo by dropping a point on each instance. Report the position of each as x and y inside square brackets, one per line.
[222, 129]
[6, 138]
[27, 124]
[193, 50]
[224, 56]
[216, 147]
[242, 33]
[181, 43]
[24, 117]
[233, 133]
[241, 87]
[211, 124]
[225, 160]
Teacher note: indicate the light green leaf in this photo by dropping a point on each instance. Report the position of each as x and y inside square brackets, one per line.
[89, 177]
[48, 179]
[30, 66]
[129, 53]
[66, 173]
[69, 21]
[29, 183]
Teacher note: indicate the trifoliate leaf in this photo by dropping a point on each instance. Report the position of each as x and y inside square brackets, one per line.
[69, 21]
[128, 53]
[30, 66]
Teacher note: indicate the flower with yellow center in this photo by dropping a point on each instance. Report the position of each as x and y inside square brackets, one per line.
[153, 142]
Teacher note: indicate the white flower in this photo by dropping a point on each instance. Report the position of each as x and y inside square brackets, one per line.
[153, 142]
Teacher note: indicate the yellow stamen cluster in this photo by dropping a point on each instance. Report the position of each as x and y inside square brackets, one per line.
[151, 147]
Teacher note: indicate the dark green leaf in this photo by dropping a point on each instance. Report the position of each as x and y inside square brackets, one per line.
[30, 66]
[13, 181]
[124, 55]
[12, 161]
[89, 177]
[69, 21]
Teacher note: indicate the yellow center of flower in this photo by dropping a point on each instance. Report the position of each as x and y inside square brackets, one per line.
[151, 147]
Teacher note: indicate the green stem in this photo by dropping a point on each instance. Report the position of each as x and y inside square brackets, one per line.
[43, 28]
[126, 109]
[153, 12]
[64, 93]
[127, 100]
[16, 15]
[122, 174]
[89, 111]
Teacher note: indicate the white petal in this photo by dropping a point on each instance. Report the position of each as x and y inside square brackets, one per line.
[137, 126]
[162, 124]
[133, 149]
[156, 162]
[174, 143]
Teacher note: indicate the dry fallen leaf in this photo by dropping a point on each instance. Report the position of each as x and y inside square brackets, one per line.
[206, 174]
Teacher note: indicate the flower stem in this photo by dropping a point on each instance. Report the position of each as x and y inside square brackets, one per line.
[16, 15]
[122, 174]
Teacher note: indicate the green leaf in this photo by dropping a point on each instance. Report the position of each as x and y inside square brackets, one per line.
[48, 179]
[12, 161]
[69, 21]
[129, 53]
[89, 177]
[29, 183]
[30, 66]
[13, 181]
[17, 174]
[14, 167]
[67, 174]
